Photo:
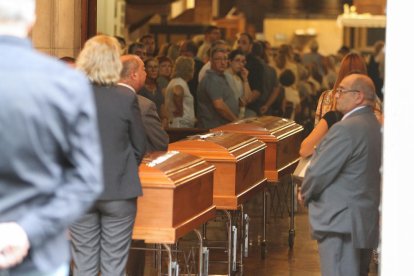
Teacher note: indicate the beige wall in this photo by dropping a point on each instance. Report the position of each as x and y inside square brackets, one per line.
[58, 28]
[328, 34]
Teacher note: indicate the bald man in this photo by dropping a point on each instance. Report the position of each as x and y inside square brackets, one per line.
[342, 183]
[133, 77]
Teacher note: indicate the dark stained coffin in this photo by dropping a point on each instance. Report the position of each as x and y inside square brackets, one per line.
[282, 137]
[177, 196]
[239, 162]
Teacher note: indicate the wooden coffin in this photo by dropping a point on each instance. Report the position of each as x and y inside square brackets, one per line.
[282, 137]
[239, 162]
[177, 196]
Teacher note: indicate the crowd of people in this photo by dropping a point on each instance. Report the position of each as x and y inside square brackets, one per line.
[247, 78]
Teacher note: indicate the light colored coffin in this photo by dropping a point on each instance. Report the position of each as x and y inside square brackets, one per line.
[239, 162]
[282, 137]
[178, 196]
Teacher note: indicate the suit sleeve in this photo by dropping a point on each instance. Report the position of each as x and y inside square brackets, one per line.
[327, 163]
[157, 138]
[82, 175]
[136, 130]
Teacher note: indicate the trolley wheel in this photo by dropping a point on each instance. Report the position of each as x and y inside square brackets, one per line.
[263, 250]
[291, 238]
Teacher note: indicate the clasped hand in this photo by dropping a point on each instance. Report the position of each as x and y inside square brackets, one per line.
[14, 244]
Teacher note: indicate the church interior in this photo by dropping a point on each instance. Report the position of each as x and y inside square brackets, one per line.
[226, 196]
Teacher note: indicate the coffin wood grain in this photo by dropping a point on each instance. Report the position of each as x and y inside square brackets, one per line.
[177, 197]
[239, 162]
[282, 138]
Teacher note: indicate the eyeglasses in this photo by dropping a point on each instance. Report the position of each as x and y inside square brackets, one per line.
[341, 91]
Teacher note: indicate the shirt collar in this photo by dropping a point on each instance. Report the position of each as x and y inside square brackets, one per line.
[127, 86]
[352, 111]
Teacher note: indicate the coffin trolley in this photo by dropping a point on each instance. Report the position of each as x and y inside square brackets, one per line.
[239, 175]
[177, 198]
[283, 138]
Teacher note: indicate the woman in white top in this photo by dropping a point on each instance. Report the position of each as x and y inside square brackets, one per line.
[178, 99]
[236, 76]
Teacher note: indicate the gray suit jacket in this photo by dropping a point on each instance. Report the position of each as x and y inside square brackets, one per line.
[123, 141]
[342, 183]
[157, 138]
[50, 158]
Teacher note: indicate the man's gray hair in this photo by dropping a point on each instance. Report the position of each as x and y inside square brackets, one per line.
[17, 11]
[365, 84]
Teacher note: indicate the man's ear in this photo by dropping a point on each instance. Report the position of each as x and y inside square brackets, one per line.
[360, 98]
[134, 74]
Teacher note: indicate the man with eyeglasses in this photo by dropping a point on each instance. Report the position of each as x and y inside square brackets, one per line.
[342, 183]
[217, 104]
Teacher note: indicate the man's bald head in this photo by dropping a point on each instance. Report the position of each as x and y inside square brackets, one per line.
[364, 84]
[133, 71]
[353, 91]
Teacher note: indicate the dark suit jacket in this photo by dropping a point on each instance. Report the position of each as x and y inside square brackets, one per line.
[123, 141]
[342, 182]
[157, 138]
[50, 158]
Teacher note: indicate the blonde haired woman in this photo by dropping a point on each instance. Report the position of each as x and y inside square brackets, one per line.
[178, 100]
[101, 238]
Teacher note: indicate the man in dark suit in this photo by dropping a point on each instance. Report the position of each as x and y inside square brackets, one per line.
[50, 164]
[157, 138]
[342, 183]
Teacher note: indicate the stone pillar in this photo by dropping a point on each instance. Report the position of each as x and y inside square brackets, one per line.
[57, 31]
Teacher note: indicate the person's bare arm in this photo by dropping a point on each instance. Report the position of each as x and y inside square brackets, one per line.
[247, 91]
[178, 94]
[314, 138]
[270, 100]
[224, 110]
[255, 95]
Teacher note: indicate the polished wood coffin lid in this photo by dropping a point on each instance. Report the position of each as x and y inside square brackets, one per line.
[282, 137]
[219, 146]
[177, 196]
[239, 161]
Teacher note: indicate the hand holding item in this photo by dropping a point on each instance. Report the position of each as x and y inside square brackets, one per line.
[244, 74]
[14, 244]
